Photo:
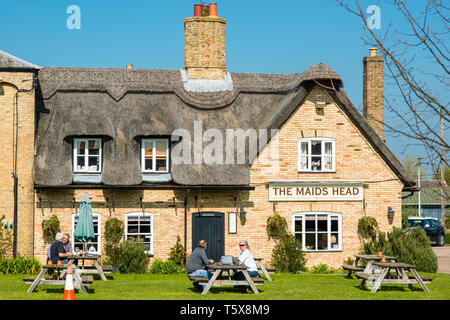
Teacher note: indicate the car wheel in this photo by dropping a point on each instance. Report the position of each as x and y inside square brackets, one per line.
[441, 240]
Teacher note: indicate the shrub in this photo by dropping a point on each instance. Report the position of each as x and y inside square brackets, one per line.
[164, 267]
[50, 227]
[367, 227]
[19, 265]
[6, 240]
[287, 255]
[349, 261]
[114, 230]
[412, 246]
[321, 269]
[131, 257]
[276, 226]
[178, 253]
[447, 238]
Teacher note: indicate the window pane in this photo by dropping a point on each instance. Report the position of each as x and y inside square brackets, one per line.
[304, 163]
[328, 148]
[310, 223]
[81, 145]
[334, 224]
[81, 163]
[298, 225]
[328, 163]
[334, 241]
[322, 223]
[161, 164]
[316, 163]
[94, 147]
[310, 241]
[323, 241]
[316, 148]
[161, 146]
[94, 163]
[133, 229]
[149, 164]
[299, 237]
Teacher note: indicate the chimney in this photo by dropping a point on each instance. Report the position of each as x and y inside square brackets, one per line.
[373, 91]
[204, 44]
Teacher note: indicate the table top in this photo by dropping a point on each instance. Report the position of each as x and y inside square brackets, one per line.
[393, 265]
[54, 266]
[373, 257]
[219, 266]
[84, 257]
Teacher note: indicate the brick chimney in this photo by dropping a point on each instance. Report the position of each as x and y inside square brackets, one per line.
[373, 91]
[204, 44]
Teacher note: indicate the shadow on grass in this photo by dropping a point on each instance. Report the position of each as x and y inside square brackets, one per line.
[219, 290]
[391, 288]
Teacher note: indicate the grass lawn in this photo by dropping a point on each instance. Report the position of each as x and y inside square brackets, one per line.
[178, 287]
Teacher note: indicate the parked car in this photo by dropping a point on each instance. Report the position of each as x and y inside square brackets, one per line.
[432, 226]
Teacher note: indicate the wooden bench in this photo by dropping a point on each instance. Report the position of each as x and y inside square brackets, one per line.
[351, 268]
[201, 280]
[87, 281]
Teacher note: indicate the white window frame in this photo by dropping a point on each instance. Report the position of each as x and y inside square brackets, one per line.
[99, 219]
[141, 214]
[143, 142]
[323, 141]
[303, 232]
[86, 155]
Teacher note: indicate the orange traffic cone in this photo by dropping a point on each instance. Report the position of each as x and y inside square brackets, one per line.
[69, 291]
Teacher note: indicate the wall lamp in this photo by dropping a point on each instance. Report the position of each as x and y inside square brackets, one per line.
[390, 213]
[242, 215]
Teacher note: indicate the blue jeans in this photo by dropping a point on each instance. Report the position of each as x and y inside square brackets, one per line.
[240, 276]
[200, 273]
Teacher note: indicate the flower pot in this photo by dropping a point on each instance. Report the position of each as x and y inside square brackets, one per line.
[383, 260]
[50, 263]
[59, 263]
[379, 254]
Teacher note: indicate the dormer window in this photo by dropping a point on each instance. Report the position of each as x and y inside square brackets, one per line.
[316, 155]
[87, 155]
[155, 155]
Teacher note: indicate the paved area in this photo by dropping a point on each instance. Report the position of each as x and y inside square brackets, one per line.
[443, 255]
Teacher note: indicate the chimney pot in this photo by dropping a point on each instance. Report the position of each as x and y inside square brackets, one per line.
[213, 9]
[198, 9]
[373, 52]
[129, 66]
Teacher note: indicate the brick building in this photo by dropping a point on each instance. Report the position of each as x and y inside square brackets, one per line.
[201, 153]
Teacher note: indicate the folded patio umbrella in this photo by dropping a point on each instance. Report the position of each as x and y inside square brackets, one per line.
[84, 230]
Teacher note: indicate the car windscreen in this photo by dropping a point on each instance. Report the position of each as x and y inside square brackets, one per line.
[415, 223]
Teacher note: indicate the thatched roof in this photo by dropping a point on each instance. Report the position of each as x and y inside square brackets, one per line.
[124, 105]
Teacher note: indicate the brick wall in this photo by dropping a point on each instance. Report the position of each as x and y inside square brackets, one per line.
[204, 47]
[373, 92]
[12, 82]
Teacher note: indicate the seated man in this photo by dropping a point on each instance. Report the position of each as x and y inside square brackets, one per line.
[57, 250]
[196, 263]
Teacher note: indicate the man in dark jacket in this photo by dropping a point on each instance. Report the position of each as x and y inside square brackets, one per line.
[57, 250]
[197, 261]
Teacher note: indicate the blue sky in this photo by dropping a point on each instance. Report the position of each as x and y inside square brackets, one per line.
[262, 37]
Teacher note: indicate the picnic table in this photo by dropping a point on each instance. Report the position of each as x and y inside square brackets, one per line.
[260, 266]
[400, 278]
[98, 269]
[371, 258]
[79, 282]
[223, 281]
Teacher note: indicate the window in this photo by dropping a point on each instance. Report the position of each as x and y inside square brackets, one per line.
[97, 240]
[140, 226]
[318, 231]
[155, 155]
[87, 155]
[316, 154]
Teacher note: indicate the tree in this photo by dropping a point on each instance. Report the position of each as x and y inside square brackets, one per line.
[414, 48]
[437, 175]
[411, 165]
